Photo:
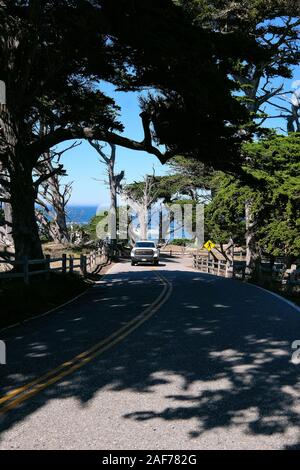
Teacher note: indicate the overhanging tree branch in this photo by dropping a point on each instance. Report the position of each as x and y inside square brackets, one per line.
[63, 134]
[56, 171]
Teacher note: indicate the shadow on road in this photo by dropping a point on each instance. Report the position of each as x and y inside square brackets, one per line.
[226, 345]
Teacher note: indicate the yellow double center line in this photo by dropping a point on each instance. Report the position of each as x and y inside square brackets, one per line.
[21, 394]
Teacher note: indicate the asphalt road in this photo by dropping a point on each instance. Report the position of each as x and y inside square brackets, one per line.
[155, 358]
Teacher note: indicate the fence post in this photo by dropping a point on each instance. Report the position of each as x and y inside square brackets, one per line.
[47, 267]
[64, 264]
[25, 269]
[229, 270]
[71, 264]
[83, 264]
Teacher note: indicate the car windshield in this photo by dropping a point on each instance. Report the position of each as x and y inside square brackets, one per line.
[145, 245]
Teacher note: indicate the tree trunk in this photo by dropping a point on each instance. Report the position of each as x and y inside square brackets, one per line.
[252, 256]
[24, 225]
[56, 197]
[113, 200]
[62, 234]
[8, 223]
[22, 193]
[143, 222]
[6, 230]
[160, 224]
[114, 182]
[112, 187]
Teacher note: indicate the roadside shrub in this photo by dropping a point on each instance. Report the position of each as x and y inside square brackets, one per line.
[180, 241]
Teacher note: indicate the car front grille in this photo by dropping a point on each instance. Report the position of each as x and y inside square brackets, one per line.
[144, 252]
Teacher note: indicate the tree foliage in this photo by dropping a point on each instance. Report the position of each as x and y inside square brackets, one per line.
[274, 25]
[63, 49]
[91, 226]
[166, 188]
[275, 165]
[193, 177]
[54, 56]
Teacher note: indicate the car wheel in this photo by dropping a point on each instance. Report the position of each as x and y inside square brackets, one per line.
[156, 262]
[132, 263]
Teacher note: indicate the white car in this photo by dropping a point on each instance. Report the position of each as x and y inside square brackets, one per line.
[145, 251]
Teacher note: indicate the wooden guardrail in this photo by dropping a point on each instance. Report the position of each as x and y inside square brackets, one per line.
[219, 267]
[166, 252]
[85, 263]
[211, 266]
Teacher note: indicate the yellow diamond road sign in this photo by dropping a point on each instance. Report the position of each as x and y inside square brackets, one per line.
[209, 245]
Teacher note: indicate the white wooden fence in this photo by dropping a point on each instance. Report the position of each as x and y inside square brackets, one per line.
[219, 267]
[67, 264]
[289, 277]
[212, 266]
[168, 253]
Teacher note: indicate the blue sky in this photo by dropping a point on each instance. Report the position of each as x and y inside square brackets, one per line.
[85, 170]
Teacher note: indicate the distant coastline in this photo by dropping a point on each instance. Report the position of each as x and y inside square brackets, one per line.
[80, 214]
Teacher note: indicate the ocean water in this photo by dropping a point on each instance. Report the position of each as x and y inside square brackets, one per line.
[81, 214]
